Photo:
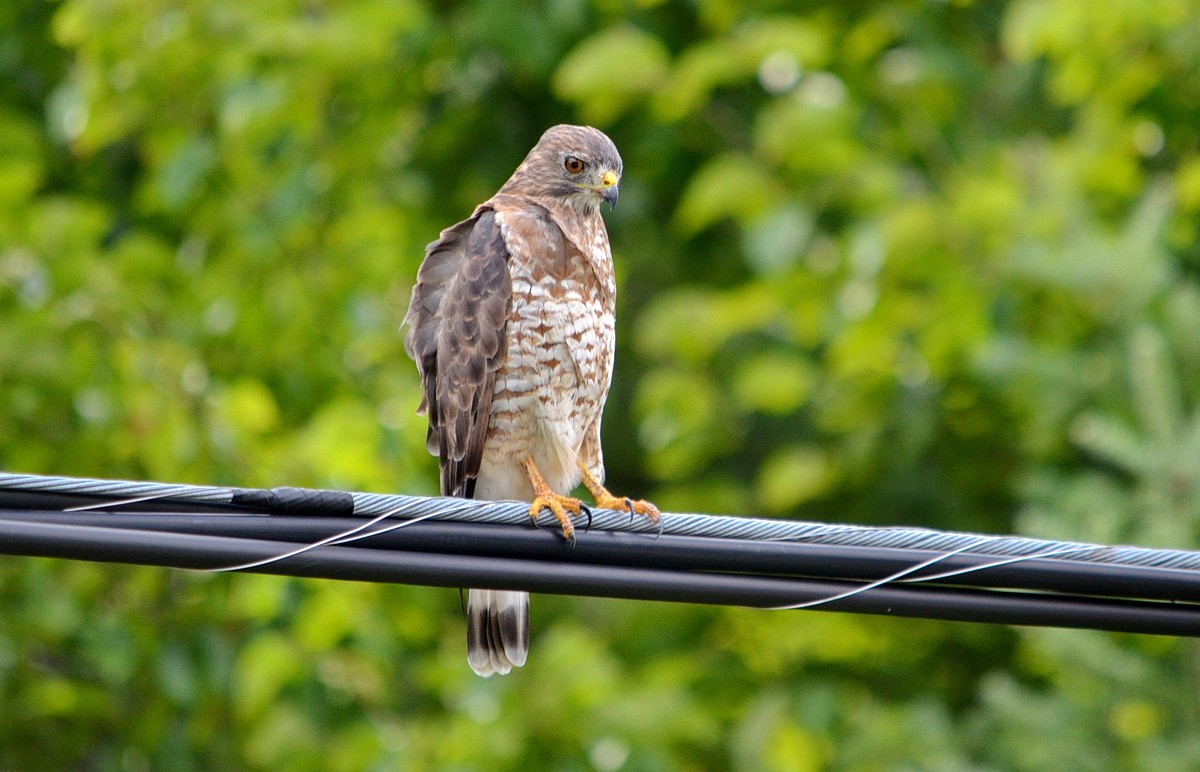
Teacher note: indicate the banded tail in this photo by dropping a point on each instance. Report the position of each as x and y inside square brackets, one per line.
[497, 630]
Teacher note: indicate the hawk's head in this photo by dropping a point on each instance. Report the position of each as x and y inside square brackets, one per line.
[577, 164]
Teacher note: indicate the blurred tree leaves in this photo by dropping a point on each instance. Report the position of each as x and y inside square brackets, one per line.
[920, 263]
[610, 71]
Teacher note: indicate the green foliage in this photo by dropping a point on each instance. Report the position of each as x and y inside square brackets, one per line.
[905, 263]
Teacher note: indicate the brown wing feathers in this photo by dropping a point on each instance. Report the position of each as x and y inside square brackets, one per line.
[442, 259]
[458, 320]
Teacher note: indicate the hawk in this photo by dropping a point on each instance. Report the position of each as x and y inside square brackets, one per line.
[511, 325]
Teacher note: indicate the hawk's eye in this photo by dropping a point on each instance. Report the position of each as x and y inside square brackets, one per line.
[573, 165]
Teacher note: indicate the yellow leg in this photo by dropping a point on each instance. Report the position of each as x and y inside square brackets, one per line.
[545, 498]
[605, 500]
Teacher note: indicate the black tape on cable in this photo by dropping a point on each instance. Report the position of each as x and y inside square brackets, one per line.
[302, 502]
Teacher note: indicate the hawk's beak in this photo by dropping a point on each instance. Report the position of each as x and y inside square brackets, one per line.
[608, 188]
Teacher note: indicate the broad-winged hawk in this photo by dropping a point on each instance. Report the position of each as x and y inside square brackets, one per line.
[512, 328]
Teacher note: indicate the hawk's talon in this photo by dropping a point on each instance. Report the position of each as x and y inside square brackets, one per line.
[562, 507]
[545, 498]
[587, 511]
[605, 500]
[632, 506]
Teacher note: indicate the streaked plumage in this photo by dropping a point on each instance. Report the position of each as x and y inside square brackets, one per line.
[512, 328]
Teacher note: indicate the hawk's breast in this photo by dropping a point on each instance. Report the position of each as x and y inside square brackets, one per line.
[555, 376]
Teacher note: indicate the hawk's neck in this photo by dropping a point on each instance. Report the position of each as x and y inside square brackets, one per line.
[584, 228]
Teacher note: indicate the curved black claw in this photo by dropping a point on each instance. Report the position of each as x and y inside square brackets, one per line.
[660, 527]
[585, 509]
[632, 511]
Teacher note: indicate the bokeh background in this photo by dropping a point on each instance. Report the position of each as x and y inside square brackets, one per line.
[928, 263]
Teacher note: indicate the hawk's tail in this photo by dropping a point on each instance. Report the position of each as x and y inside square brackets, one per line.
[497, 630]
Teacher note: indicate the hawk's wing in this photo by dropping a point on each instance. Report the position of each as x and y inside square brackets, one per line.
[457, 334]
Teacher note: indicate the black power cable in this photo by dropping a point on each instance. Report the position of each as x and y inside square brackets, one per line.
[183, 550]
[686, 553]
[696, 558]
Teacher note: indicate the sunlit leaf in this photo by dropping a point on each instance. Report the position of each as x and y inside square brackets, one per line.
[610, 71]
